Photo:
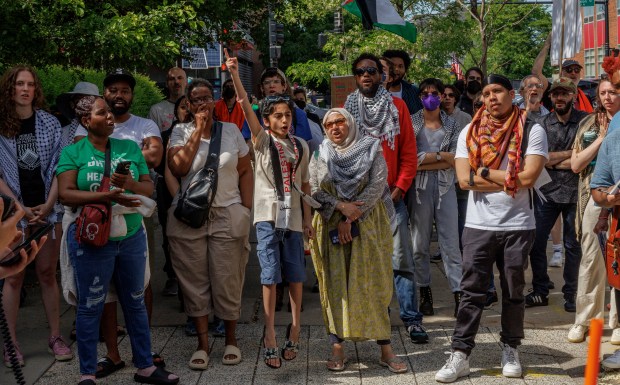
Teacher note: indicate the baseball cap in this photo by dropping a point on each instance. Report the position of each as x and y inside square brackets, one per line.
[117, 75]
[563, 84]
[63, 101]
[571, 62]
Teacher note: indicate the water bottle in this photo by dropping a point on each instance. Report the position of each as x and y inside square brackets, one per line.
[588, 138]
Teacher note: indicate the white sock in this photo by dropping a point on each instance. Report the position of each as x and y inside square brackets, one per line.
[557, 248]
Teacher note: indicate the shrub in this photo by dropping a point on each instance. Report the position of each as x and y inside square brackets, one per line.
[57, 80]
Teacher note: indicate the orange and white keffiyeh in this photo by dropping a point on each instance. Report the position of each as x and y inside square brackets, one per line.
[488, 140]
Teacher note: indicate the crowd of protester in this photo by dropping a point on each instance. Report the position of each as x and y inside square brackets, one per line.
[360, 188]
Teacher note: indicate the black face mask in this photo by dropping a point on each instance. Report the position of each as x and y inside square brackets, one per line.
[228, 93]
[301, 104]
[474, 86]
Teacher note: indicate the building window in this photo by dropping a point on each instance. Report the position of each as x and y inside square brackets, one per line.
[600, 56]
[590, 63]
[600, 12]
[588, 15]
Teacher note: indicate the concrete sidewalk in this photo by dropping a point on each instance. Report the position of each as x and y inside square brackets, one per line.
[546, 356]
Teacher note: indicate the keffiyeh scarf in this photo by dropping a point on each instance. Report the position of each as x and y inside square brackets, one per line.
[488, 140]
[376, 116]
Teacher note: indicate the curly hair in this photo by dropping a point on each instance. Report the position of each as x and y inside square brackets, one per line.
[399, 53]
[84, 107]
[10, 124]
[611, 64]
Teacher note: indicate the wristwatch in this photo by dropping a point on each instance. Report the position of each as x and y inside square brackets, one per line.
[484, 172]
[438, 157]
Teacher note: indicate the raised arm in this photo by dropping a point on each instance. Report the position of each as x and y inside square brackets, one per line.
[242, 95]
[539, 63]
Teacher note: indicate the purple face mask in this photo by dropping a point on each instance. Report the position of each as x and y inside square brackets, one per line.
[431, 102]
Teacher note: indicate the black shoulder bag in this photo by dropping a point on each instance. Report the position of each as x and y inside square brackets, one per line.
[195, 202]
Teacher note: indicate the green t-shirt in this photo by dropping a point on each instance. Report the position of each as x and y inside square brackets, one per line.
[89, 163]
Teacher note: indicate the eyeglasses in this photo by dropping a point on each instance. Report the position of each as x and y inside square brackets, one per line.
[206, 99]
[361, 70]
[449, 95]
[338, 122]
[272, 81]
[425, 94]
[535, 85]
[571, 70]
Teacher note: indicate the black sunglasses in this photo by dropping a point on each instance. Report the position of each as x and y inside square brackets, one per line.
[361, 70]
[571, 70]
[277, 98]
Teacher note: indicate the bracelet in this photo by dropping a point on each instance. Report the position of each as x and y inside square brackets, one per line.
[471, 177]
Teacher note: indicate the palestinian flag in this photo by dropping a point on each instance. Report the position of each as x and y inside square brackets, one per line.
[381, 14]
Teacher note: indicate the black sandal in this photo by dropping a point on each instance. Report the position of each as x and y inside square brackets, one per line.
[158, 377]
[290, 346]
[107, 367]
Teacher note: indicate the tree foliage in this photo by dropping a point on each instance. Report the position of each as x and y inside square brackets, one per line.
[111, 33]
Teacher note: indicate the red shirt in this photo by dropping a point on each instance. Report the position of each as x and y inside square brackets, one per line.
[402, 161]
[236, 116]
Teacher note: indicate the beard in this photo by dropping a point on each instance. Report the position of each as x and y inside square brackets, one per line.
[563, 111]
[118, 109]
[370, 91]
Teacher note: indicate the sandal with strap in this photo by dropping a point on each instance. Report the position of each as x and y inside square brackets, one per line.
[338, 363]
[271, 354]
[391, 364]
[290, 346]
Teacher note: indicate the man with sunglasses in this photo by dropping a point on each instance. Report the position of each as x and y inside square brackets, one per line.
[473, 86]
[560, 197]
[399, 87]
[379, 114]
[571, 69]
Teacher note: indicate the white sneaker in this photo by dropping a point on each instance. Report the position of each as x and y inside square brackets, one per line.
[456, 366]
[613, 361]
[511, 367]
[615, 337]
[556, 260]
[577, 333]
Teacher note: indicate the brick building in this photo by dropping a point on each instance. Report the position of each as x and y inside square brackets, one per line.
[593, 41]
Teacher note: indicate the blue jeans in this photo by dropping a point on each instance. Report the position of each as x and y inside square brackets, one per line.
[546, 214]
[404, 268]
[280, 252]
[94, 267]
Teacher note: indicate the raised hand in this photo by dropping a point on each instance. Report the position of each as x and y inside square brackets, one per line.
[231, 63]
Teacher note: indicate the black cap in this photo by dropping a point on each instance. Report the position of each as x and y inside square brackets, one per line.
[571, 62]
[117, 75]
[501, 80]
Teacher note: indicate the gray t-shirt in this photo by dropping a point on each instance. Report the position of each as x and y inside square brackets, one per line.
[430, 139]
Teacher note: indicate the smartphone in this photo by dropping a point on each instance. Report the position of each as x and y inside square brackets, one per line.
[15, 256]
[333, 235]
[9, 206]
[123, 167]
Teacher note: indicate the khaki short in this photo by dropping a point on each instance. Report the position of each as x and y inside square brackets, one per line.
[210, 261]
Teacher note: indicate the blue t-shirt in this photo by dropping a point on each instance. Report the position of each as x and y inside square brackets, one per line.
[615, 123]
[607, 170]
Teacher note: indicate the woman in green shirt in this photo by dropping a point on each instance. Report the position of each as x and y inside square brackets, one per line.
[123, 257]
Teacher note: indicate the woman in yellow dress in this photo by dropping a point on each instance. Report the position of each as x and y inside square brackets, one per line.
[353, 245]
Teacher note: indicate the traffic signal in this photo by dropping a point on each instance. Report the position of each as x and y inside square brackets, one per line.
[276, 33]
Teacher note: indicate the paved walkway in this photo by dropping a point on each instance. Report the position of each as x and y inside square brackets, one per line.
[546, 355]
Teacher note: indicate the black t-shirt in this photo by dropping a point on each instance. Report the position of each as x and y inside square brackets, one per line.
[466, 104]
[29, 164]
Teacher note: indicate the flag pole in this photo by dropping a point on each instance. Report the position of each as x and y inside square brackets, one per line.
[562, 37]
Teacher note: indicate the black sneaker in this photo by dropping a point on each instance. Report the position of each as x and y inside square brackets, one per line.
[437, 256]
[315, 287]
[426, 301]
[491, 299]
[536, 299]
[171, 288]
[550, 285]
[418, 334]
[569, 305]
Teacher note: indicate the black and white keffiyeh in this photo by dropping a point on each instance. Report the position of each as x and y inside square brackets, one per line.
[376, 116]
[348, 168]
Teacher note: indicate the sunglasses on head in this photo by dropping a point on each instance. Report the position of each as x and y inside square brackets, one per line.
[361, 70]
